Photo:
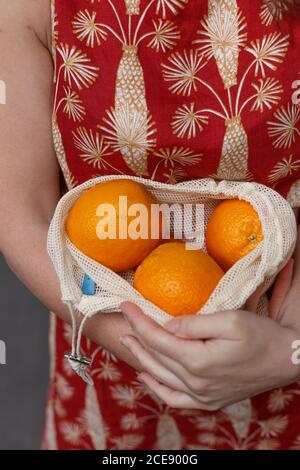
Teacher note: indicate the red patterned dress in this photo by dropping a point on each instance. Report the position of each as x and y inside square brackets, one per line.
[171, 90]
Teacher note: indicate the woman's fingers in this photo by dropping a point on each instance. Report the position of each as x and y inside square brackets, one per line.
[157, 338]
[153, 366]
[219, 325]
[280, 289]
[288, 276]
[173, 398]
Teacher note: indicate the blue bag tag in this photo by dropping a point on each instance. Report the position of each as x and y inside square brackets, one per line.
[88, 286]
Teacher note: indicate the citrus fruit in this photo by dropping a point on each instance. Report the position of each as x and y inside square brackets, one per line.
[233, 230]
[106, 230]
[177, 280]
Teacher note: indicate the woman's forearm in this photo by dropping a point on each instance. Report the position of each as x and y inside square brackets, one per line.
[26, 254]
[29, 177]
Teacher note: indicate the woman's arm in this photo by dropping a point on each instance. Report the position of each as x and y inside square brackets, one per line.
[29, 176]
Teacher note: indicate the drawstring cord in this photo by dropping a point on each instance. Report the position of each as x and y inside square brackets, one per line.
[74, 328]
[78, 363]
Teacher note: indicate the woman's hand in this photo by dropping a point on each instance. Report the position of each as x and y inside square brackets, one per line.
[210, 361]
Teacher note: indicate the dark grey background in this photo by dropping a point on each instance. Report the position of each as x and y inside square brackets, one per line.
[23, 380]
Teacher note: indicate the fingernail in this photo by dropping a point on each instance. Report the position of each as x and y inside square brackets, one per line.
[140, 377]
[124, 341]
[172, 326]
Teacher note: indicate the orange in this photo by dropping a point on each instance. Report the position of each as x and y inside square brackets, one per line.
[233, 230]
[97, 235]
[177, 280]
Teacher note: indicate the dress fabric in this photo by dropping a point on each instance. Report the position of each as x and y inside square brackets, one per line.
[171, 90]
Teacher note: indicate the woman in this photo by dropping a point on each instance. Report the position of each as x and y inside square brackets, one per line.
[206, 89]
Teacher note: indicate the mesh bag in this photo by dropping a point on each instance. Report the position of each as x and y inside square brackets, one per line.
[109, 289]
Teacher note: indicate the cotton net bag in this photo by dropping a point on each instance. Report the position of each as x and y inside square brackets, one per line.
[88, 288]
